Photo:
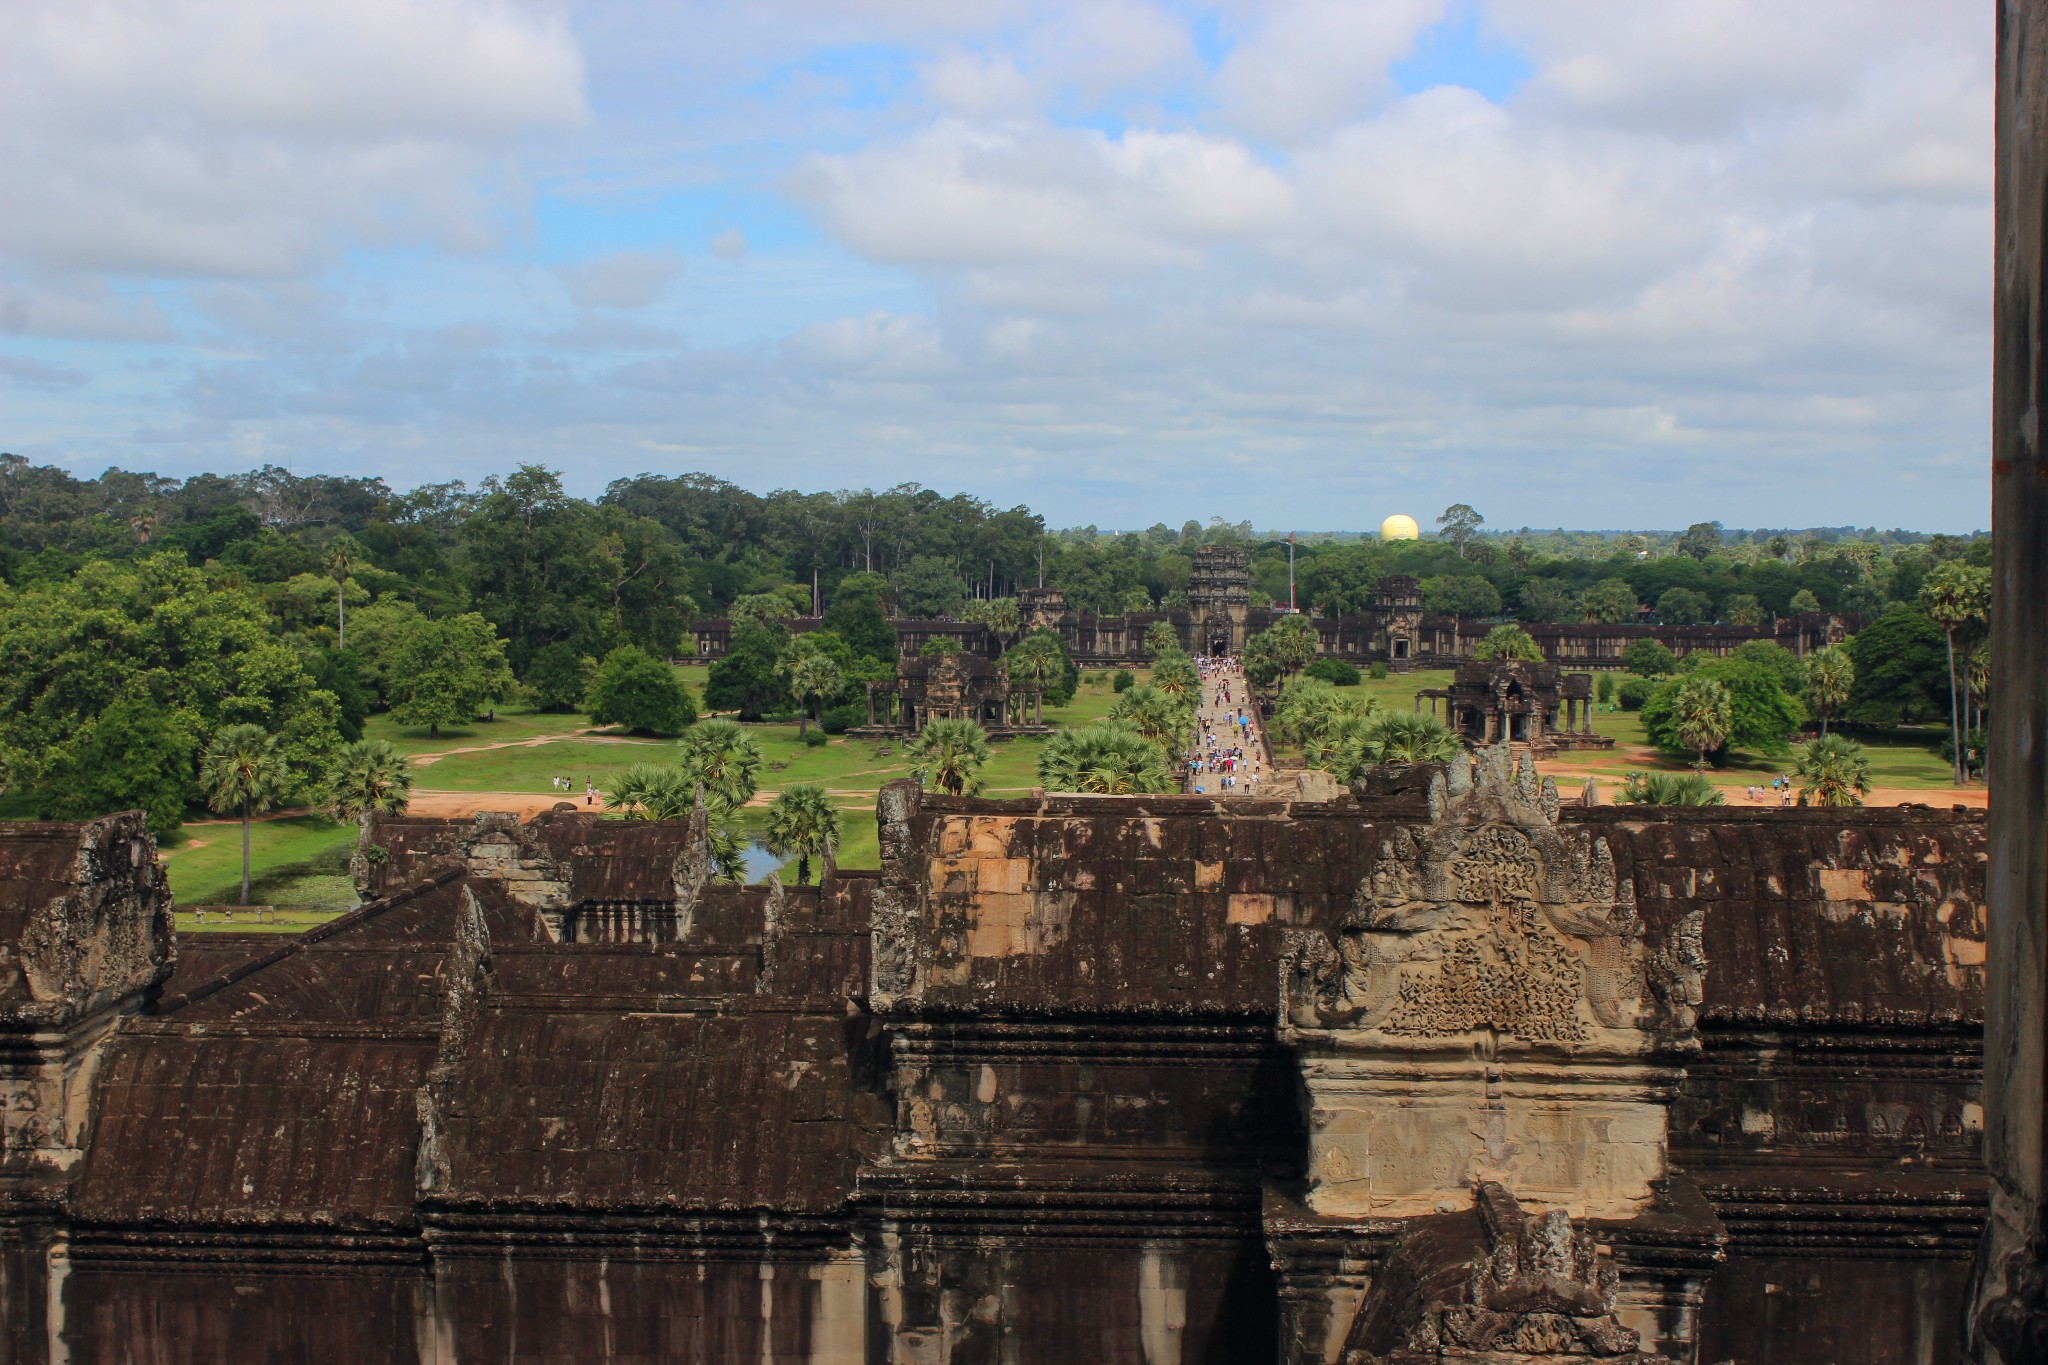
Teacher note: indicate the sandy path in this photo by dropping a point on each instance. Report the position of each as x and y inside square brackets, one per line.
[1570, 779]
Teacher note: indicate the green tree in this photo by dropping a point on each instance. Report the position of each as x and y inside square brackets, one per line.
[1175, 674]
[929, 586]
[1803, 602]
[1460, 596]
[1509, 642]
[1761, 715]
[447, 670]
[1107, 758]
[1647, 657]
[1164, 719]
[719, 756]
[811, 677]
[1611, 601]
[1550, 599]
[1742, 609]
[1161, 638]
[802, 824]
[242, 772]
[1000, 614]
[950, 754]
[1040, 659]
[198, 653]
[1308, 709]
[1458, 524]
[1291, 642]
[938, 646]
[130, 757]
[1899, 664]
[1832, 771]
[1956, 596]
[367, 778]
[1383, 738]
[343, 554]
[1671, 789]
[559, 677]
[642, 693]
[749, 679]
[653, 791]
[1702, 711]
[1701, 539]
[1830, 682]
[1684, 607]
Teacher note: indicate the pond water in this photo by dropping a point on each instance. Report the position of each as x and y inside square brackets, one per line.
[760, 862]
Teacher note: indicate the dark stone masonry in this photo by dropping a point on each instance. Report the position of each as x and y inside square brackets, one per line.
[1439, 1070]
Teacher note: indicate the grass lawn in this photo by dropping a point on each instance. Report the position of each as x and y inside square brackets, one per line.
[299, 861]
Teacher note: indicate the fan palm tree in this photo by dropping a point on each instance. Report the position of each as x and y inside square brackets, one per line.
[722, 758]
[369, 777]
[1175, 674]
[1671, 789]
[1704, 711]
[1163, 719]
[1508, 642]
[1956, 595]
[650, 791]
[1161, 638]
[242, 771]
[1036, 659]
[341, 562]
[812, 677]
[1312, 707]
[1408, 737]
[1833, 771]
[950, 754]
[1108, 758]
[1291, 643]
[1830, 677]
[803, 824]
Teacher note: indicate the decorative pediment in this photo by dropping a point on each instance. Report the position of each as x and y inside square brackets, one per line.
[1491, 918]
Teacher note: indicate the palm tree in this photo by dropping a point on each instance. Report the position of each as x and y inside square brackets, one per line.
[1312, 706]
[1704, 712]
[1160, 638]
[1508, 642]
[803, 824]
[1833, 771]
[1671, 789]
[1830, 677]
[341, 561]
[1291, 642]
[650, 791]
[810, 675]
[1407, 737]
[722, 758]
[1956, 595]
[242, 770]
[369, 777]
[1108, 758]
[728, 851]
[950, 753]
[1163, 719]
[1038, 660]
[1175, 674]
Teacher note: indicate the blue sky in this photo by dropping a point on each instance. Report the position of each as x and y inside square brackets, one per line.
[1306, 261]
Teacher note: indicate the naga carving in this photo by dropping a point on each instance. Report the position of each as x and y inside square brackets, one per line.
[1491, 917]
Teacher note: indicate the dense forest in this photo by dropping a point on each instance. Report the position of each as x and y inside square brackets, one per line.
[140, 614]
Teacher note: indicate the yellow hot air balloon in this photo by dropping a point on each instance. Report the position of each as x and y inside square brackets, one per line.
[1400, 526]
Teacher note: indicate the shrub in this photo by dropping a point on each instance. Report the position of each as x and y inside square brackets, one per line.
[640, 692]
[1123, 681]
[1333, 671]
[1603, 688]
[1633, 692]
[837, 720]
[1379, 672]
[816, 739]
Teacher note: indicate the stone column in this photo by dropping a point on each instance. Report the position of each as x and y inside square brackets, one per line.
[2010, 1295]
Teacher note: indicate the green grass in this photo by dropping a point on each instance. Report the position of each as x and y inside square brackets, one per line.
[205, 861]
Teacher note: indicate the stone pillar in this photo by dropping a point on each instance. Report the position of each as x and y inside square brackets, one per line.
[871, 703]
[2010, 1296]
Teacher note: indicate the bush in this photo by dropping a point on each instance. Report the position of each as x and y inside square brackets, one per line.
[1633, 692]
[1123, 681]
[837, 720]
[1649, 658]
[641, 692]
[816, 739]
[1333, 671]
[1603, 688]
[1379, 672]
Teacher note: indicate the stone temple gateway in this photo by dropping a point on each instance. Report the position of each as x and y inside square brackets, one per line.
[1440, 1070]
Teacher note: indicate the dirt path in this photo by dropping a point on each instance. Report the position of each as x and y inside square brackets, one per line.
[1572, 778]
[587, 734]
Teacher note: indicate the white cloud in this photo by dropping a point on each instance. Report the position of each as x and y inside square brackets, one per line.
[979, 87]
[1311, 64]
[245, 138]
[622, 279]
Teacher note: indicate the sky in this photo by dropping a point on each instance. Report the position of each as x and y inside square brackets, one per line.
[1581, 263]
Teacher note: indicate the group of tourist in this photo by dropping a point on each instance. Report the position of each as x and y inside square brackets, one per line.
[1227, 752]
[1780, 787]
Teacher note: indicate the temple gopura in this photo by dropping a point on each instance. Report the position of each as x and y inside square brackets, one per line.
[1441, 1070]
[1394, 629]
